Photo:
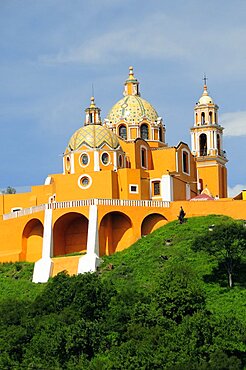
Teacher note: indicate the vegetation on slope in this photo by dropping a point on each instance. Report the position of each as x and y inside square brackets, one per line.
[157, 305]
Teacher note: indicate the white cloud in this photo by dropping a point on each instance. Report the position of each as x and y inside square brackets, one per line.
[234, 123]
[149, 41]
[235, 190]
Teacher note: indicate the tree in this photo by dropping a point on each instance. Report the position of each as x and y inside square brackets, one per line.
[9, 190]
[227, 243]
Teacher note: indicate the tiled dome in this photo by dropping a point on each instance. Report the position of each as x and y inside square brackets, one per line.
[94, 136]
[132, 108]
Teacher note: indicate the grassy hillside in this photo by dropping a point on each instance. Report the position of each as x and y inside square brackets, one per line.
[156, 305]
[142, 264]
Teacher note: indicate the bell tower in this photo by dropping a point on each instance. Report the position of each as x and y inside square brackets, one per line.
[207, 146]
[92, 114]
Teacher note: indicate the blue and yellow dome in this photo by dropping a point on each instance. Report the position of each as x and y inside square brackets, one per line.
[94, 136]
[132, 108]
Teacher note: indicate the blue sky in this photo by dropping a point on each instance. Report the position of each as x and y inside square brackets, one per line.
[51, 51]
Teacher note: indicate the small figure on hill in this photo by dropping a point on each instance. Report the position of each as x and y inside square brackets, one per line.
[181, 215]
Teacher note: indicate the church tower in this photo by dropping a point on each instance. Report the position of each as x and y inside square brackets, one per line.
[207, 146]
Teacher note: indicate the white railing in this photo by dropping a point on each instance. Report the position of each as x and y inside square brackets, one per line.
[87, 202]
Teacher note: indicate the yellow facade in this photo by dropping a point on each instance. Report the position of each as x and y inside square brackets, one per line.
[120, 181]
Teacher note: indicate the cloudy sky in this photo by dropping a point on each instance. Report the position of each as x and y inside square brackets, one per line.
[52, 51]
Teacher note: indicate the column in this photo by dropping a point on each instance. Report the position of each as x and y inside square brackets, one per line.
[43, 267]
[90, 261]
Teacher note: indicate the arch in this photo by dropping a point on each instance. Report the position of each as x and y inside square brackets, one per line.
[115, 233]
[123, 132]
[196, 118]
[218, 144]
[203, 118]
[70, 234]
[144, 131]
[32, 241]
[152, 222]
[210, 118]
[160, 134]
[203, 144]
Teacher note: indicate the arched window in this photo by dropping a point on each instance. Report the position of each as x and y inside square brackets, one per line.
[122, 132]
[203, 144]
[203, 118]
[210, 118]
[215, 117]
[143, 157]
[144, 131]
[185, 162]
[218, 144]
[160, 134]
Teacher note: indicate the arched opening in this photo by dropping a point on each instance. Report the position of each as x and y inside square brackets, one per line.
[123, 132]
[215, 117]
[115, 233]
[203, 144]
[210, 118]
[70, 234]
[152, 222]
[144, 131]
[160, 134]
[218, 144]
[144, 157]
[203, 118]
[32, 240]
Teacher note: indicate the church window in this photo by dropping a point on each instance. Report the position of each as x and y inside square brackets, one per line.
[144, 131]
[84, 181]
[185, 161]
[84, 159]
[143, 157]
[133, 188]
[105, 158]
[120, 159]
[68, 163]
[203, 118]
[210, 117]
[91, 117]
[122, 132]
[203, 144]
[156, 187]
[218, 144]
[160, 134]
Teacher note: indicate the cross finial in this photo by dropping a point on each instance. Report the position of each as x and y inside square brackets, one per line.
[205, 79]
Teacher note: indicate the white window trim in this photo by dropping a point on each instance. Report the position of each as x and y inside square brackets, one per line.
[143, 147]
[80, 160]
[109, 159]
[150, 189]
[188, 153]
[133, 192]
[90, 181]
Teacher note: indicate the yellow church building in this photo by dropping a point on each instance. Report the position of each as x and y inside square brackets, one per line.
[120, 181]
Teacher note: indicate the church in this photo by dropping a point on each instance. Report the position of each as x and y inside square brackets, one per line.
[120, 181]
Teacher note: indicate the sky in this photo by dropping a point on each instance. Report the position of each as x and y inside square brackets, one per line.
[52, 51]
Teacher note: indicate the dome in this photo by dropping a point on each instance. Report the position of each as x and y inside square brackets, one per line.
[93, 136]
[205, 98]
[132, 108]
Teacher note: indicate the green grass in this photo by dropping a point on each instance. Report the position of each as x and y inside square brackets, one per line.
[141, 264]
